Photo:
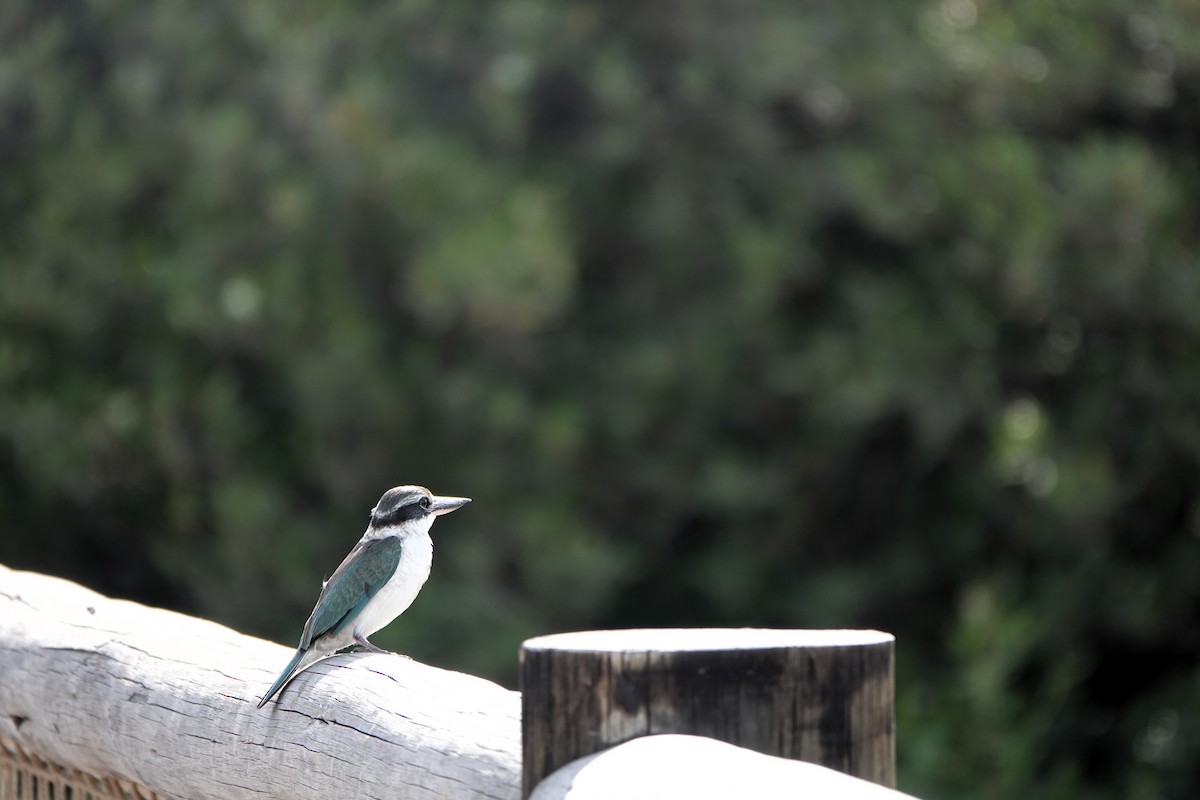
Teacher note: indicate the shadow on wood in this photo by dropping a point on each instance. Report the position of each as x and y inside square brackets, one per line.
[165, 701]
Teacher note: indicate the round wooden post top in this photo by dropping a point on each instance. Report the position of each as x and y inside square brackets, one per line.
[651, 640]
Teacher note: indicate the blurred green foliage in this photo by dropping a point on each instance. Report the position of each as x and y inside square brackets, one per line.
[810, 315]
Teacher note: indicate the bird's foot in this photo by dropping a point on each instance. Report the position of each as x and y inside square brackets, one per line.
[370, 648]
[366, 645]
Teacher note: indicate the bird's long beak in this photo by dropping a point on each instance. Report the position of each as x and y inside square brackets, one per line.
[444, 505]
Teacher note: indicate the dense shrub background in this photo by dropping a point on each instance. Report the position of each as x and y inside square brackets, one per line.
[726, 313]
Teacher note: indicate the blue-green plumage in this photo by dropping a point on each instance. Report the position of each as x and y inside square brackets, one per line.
[358, 579]
[366, 569]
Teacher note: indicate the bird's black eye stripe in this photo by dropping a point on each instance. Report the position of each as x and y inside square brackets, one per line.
[395, 515]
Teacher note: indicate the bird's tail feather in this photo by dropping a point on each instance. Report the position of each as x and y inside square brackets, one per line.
[301, 661]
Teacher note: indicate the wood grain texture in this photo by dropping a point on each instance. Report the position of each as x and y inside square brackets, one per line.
[820, 696]
[675, 765]
[168, 702]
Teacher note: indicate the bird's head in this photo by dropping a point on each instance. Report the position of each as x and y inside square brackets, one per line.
[411, 507]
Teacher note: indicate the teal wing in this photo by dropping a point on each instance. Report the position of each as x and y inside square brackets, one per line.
[363, 573]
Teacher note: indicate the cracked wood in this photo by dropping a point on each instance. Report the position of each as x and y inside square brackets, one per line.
[168, 701]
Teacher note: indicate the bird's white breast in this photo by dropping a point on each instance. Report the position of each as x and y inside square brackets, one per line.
[398, 593]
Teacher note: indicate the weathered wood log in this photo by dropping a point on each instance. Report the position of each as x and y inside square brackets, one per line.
[167, 701]
[698, 768]
[820, 696]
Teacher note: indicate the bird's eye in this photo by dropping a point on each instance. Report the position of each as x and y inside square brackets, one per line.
[425, 502]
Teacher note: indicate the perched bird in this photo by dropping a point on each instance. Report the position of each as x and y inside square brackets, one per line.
[376, 582]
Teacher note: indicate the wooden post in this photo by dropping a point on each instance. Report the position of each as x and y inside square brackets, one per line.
[823, 696]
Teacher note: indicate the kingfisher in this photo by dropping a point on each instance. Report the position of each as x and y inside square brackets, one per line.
[376, 582]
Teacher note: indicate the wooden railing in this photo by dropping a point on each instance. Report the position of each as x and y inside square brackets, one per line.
[103, 698]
